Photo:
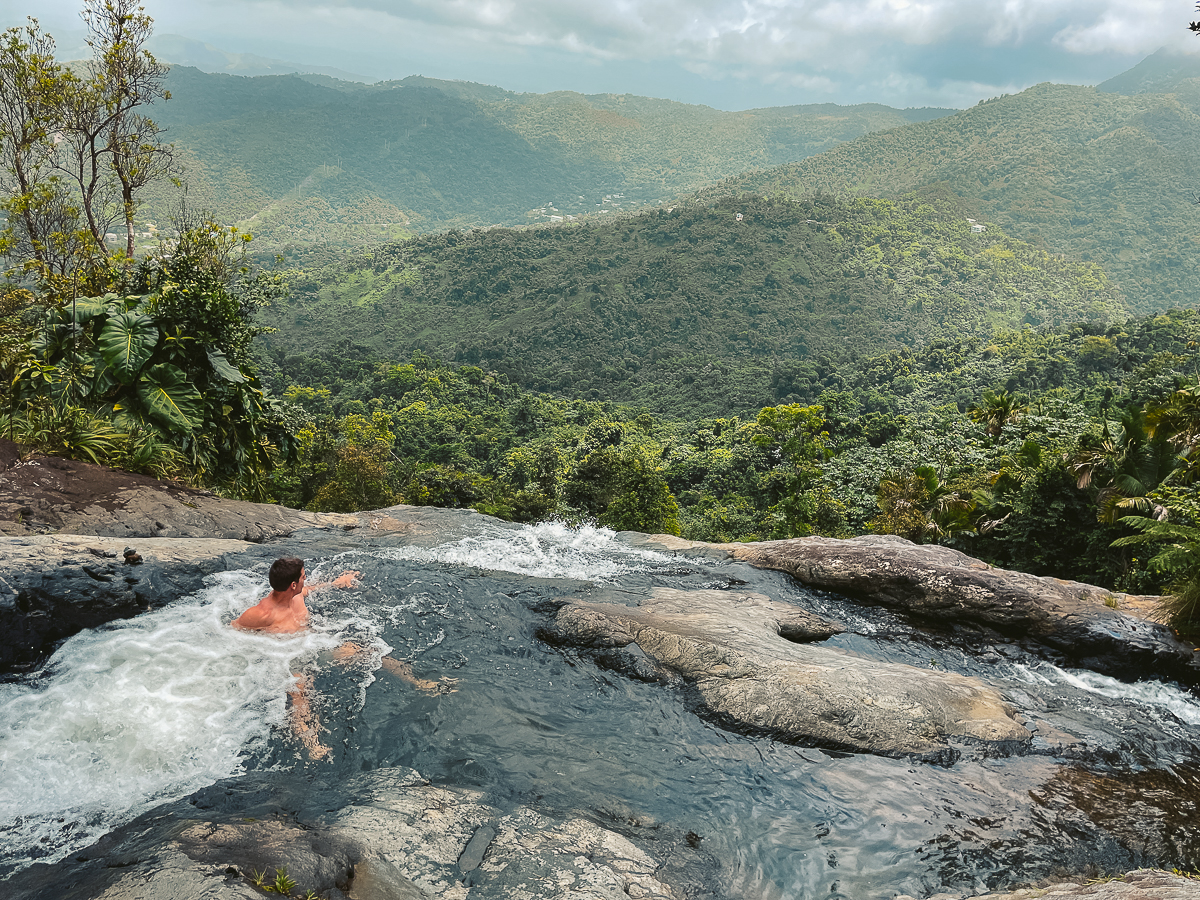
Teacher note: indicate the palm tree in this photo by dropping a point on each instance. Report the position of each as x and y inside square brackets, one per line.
[996, 410]
[1177, 419]
[992, 505]
[914, 504]
[1125, 466]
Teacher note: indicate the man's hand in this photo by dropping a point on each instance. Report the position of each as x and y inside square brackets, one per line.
[345, 580]
[443, 686]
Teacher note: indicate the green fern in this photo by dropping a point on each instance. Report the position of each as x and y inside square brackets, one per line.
[1179, 560]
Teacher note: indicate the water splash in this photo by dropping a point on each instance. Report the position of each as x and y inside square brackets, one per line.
[1153, 694]
[136, 712]
[547, 550]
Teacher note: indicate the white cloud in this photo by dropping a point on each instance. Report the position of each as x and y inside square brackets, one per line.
[913, 49]
[1144, 28]
[764, 32]
[786, 30]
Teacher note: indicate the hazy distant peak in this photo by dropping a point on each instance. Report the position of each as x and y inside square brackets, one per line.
[1159, 73]
[468, 89]
[182, 51]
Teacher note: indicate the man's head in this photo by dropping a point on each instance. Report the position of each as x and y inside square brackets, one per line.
[285, 572]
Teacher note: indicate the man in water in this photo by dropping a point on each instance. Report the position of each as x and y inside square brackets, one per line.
[283, 611]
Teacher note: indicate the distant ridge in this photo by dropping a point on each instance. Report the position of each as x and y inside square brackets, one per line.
[305, 159]
[182, 51]
[1102, 177]
[1159, 73]
[700, 309]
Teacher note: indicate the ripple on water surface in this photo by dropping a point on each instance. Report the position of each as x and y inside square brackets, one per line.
[151, 709]
[546, 550]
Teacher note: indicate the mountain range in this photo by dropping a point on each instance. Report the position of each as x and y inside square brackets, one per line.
[700, 309]
[309, 161]
[297, 158]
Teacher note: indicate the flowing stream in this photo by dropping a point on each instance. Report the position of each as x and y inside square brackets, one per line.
[149, 710]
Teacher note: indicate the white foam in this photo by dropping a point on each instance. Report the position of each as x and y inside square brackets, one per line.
[137, 712]
[1155, 694]
[546, 550]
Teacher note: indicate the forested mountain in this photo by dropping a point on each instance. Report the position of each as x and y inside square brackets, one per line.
[1159, 73]
[1102, 177]
[696, 310]
[309, 159]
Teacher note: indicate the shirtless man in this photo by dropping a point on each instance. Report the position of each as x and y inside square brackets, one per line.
[283, 611]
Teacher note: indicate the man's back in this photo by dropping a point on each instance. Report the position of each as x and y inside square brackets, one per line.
[274, 614]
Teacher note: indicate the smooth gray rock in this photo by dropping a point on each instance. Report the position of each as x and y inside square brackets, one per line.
[398, 839]
[943, 586]
[423, 831]
[730, 646]
[477, 846]
[316, 860]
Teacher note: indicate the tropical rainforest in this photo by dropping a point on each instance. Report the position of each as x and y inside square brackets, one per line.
[973, 329]
[305, 160]
[1079, 171]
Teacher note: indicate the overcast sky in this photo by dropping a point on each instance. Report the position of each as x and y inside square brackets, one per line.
[731, 54]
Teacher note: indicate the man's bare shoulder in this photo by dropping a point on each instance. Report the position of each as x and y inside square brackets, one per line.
[255, 618]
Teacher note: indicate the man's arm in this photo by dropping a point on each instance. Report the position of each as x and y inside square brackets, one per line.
[348, 579]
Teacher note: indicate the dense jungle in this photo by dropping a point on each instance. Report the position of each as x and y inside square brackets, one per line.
[930, 323]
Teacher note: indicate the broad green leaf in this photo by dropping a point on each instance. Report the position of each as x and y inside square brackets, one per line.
[85, 309]
[123, 417]
[170, 398]
[103, 381]
[224, 368]
[126, 344]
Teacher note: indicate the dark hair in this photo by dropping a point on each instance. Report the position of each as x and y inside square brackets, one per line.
[285, 571]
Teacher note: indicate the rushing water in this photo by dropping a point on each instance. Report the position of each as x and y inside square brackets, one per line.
[140, 712]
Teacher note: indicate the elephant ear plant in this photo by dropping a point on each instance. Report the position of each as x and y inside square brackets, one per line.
[109, 353]
[161, 378]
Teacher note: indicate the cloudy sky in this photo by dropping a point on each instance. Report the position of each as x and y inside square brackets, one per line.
[731, 54]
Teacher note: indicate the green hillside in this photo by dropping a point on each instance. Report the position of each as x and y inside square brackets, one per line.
[691, 311]
[1102, 177]
[288, 155]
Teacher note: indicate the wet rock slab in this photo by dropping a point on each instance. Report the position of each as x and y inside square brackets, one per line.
[45, 495]
[398, 838]
[937, 583]
[1089, 626]
[745, 657]
[53, 586]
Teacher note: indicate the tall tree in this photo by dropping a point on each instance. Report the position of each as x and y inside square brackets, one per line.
[40, 217]
[996, 410]
[76, 150]
[125, 77]
[1125, 464]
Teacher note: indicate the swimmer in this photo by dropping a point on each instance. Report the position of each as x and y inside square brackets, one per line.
[283, 611]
